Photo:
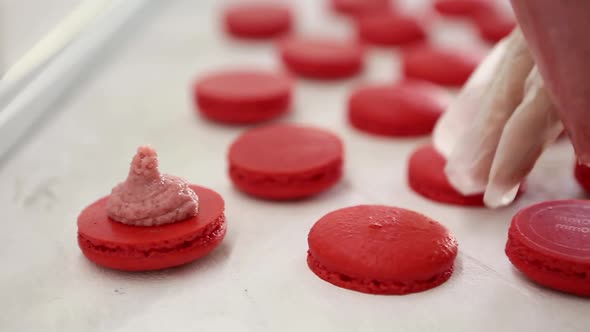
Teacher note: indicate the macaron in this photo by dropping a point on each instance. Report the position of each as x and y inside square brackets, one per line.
[358, 7]
[494, 25]
[462, 8]
[440, 65]
[134, 248]
[285, 162]
[426, 177]
[322, 58]
[402, 109]
[582, 175]
[381, 250]
[386, 28]
[242, 96]
[257, 20]
[549, 242]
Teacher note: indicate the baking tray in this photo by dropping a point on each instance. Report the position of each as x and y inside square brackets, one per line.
[18, 34]
[257, 280]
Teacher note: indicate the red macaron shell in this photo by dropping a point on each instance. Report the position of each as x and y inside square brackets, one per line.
[133, 248]
[381, 250]
[358, 7]
[462, 8]
[322, 58]
[243, 96]
[442, 66]
[549, 242]
[494, 25]
[402, 109]
[257, 20]
[285, 161]
[390, 29]
[426, 177]
[582, 174]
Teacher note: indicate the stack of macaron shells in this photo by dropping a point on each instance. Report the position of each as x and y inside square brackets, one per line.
[381, 250]
[285, 162]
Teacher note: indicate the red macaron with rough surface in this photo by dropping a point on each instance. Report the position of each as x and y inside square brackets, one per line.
[549, 242]
[438, 65]
[134, 248]
[359, 7]
[462, 8]
[322, 58]
[237, 97]
[285, 162]
[582, 174]
[426, 177]
[387, 28]
[381, 250]
[402, 109]
[494, 25]
[257, 20]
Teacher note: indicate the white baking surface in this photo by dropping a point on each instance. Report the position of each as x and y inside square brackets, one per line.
[25, 22]
[257, 280]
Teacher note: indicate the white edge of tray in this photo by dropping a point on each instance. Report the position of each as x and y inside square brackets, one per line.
[26, 99]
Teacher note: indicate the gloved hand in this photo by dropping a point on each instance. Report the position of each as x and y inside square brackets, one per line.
[503, 119]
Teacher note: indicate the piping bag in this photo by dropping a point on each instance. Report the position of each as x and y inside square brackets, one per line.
[557, 35]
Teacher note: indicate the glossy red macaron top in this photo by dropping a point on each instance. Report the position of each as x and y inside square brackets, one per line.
[440, 65]
[430, 164]
[390, 28]
[321, 57]
[285, 149]
[426, 170]
[243, 86]
[95, 225]
[493, 25]
[321, 49]
[558, 229]
[356, 7]
[257, 19]
[409, 98]
[402, 109]
[464, 8]
[382, 243]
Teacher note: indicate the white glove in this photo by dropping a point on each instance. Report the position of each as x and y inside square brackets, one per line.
[503, 119]
[499, 124]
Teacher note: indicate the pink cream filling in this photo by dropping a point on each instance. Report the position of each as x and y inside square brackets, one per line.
[149, 198]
